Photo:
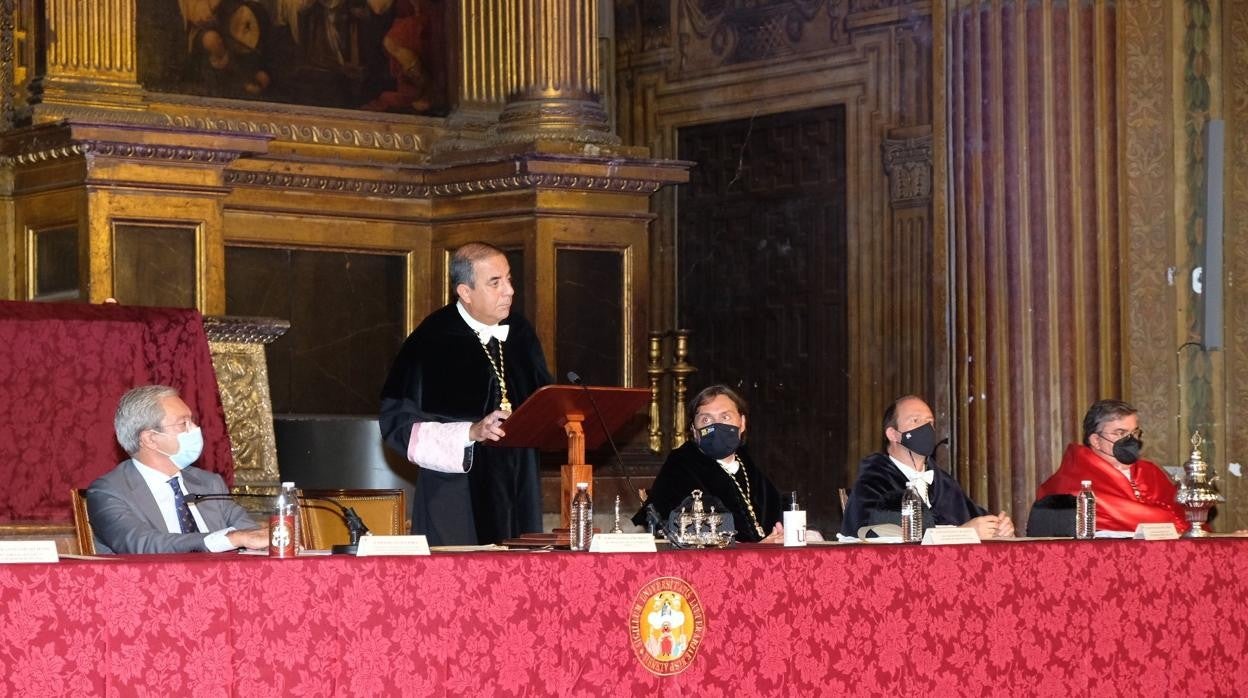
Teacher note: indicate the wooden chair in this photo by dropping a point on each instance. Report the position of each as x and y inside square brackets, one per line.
[82, 522]
[383, 511]
[844, 495]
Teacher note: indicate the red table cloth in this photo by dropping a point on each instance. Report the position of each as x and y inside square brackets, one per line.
[1040, 618]
[63, 367]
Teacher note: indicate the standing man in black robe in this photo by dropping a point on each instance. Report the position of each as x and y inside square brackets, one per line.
[909, 442]
[455, 380]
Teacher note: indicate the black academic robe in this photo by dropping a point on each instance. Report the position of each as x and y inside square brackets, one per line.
[687, 469]
[442, 375]
[876, 497]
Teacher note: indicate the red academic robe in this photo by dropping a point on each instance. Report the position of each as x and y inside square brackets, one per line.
[1117, 508]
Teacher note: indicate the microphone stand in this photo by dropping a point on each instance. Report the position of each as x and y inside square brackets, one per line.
[355, 525]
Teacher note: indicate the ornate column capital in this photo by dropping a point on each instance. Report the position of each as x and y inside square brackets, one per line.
[907, 155]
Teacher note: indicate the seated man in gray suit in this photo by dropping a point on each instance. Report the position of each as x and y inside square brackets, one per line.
[140, 506]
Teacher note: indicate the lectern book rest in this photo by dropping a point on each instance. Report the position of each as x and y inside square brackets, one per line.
[559, 416]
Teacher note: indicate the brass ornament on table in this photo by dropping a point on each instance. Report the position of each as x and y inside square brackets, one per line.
[1198, 490]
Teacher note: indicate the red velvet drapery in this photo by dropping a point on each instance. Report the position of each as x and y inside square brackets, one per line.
[62, 369]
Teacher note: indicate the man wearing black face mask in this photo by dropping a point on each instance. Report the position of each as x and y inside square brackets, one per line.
[717, 462]
[1129, 490]
[909, 442]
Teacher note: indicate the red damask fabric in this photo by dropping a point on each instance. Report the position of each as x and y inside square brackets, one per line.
[1127, 618]
[62, 369]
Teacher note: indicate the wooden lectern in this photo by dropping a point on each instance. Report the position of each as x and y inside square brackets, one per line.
[563, 415]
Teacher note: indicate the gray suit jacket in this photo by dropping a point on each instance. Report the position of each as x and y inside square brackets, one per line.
[125, 518]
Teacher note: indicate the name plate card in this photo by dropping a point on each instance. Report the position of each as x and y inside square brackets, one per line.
[392, 545]
[1156, 531]
[622, 543]
[28, 551]
[950, 535]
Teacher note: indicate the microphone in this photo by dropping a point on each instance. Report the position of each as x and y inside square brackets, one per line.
[355, 525]
[576, 380]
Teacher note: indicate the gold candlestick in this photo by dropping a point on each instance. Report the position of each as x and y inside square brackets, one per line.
[655, 371]
[681, 370]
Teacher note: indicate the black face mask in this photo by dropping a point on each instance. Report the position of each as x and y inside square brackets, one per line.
[719, 440]
[921, 440]
[1127, 449]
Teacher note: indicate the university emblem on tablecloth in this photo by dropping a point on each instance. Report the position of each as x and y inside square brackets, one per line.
[667, 623]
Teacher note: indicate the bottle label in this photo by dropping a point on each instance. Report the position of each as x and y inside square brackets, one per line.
[281, 536]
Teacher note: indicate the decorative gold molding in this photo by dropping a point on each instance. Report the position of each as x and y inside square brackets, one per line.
[548, 181]
[344, 185]
[297, 132]
[579, 121]
[237, 346]
[129, 151]
[285, 180]
[248, 330]
[49, 142]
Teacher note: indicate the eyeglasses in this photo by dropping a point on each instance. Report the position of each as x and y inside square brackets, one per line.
[1118, 434]
[703, 419]
[179, 427]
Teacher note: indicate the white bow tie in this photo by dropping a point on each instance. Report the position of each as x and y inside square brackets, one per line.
[927, 476]
[497, 331]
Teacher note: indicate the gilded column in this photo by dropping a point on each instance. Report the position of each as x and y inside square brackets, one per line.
[90, 59]
[484, 78]
[553, 73]
[485, 55]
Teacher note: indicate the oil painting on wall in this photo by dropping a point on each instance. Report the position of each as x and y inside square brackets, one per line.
[375, 55]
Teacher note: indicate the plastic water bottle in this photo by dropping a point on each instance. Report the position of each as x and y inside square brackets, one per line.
[582, 519]
[1085, 512]
[911, 515]
[284, 523]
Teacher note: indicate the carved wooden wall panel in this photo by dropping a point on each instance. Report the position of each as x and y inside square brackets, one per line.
[763, 257]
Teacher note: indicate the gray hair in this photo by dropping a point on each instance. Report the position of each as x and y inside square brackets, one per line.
[465, 258]
[139, 411]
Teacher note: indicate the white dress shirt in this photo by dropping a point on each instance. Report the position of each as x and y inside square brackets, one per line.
[484, 331]
[921, 478]
[158, 483]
